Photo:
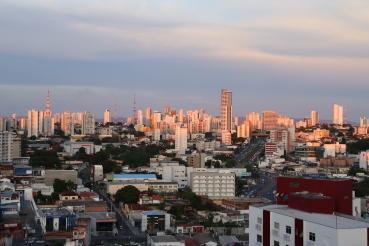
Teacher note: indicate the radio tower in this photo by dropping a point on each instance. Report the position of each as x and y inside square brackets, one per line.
[134, 110]
[47, 112]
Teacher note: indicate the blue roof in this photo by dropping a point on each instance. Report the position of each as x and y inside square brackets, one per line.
[153, 213]
[134, 176]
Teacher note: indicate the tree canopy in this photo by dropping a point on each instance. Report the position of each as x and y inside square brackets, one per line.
[62, 186]
[45, 158]
[127, 194]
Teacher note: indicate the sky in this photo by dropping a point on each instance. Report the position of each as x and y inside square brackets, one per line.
[289, 56]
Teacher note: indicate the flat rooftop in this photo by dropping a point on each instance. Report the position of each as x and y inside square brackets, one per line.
[164, 239]
[337, 221]
[134, 176]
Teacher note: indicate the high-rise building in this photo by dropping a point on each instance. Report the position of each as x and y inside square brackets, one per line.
[148, 117]
[107, 116]
[244, 130]
[226, 137]
[226, 113]
[88, 123]
[2, 124]
[337, 114]
[254, 119]
[314, 115]
[67, 123]
[364, 122]
[156, 119]
[10, 146]
[139, 117]
[33, 123]
[180, 117]
[269, 120]
[181, 140]
[22, 123]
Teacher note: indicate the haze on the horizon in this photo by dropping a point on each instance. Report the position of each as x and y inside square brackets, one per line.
[290, 56]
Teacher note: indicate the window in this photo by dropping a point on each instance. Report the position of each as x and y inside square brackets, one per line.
[259, 238]
[288, 229]
[276, 225]
[260, 220]
[276, 243]
[312, 236]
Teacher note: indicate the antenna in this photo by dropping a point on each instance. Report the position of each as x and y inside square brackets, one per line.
[48, 104]
[134, 109]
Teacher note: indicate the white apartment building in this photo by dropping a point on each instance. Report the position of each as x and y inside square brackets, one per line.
[175, 174]
[314, 116]
[181, 140]
[280, 225]
[215, 185]
[337, 114]
[88, 123]
[334, 150]
[10, 146]
[364, 159]
[67, 123]
[73, 147]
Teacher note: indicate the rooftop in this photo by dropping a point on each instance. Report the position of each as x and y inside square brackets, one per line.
[164, 239]
[153, 213]
[134, 176]
[337, 221]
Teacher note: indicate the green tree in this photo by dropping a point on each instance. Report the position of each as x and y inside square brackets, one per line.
[356, 147]
[127, 194]
[231, 163]
[45, 158]
[62, 186]
[362, 188]
[354, 170]
[110, 166]
[82, 155]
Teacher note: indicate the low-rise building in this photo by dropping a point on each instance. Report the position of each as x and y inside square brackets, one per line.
[215, 185]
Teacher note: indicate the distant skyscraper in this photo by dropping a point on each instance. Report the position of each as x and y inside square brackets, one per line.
[67, 123]
[337, 114]
[180, 117]
[88, 123]
[314, 118]
[139, 117]
[48, 120]
[244, 130]
[181, 140]
[107, 116]
[226, 113]
[148, 117]
[33, 123]
[364, 122]
[156, 119]
[270, 120]
[254, 119]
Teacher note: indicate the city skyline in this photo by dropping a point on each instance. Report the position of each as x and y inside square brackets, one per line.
[115, 113]
[95, 55]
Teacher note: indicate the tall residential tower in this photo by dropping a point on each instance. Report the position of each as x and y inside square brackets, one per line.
[226, 113]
